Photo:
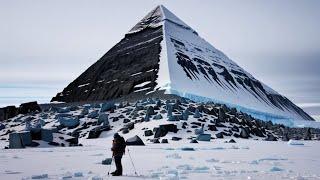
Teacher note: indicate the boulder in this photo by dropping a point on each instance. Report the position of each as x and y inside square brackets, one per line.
[244, 134]
[232, 141]
[198, 131]
[60, 115]
[219, 135]
[221, 115]
[26, 138]
[148, 133]
[155, 141]
[204, 137]
[176, 138]
[107, 106]
[235, 129]
[164, 129]
[69, 122]
[125, 130]
[150, 111]
[185, 114]
[169, 109]
[15, 141]
[270, 137]
[307, 135]
[95, 133]
[47, 135]
[134, 141]
[84, 111]
[8, 112]
[212, 127]
[63, 110]
[115, 119]
[2, 126]
[285, 137]
[103, 118]
[146, 118]
[197, 114]
[164, 141]
[28, 107]
[93, 114]
[126, 120]
[129, 126]
[157, 117]
[107, 161]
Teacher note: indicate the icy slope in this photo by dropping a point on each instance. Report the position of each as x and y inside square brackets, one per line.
[199, 71]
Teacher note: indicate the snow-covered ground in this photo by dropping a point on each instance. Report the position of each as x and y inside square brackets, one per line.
[246, 159]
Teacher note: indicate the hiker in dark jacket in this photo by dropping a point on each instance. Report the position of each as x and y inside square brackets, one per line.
[118, 149]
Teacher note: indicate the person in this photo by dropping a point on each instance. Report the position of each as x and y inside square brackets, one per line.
[118, 150]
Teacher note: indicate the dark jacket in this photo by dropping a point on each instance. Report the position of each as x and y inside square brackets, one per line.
[118, 146]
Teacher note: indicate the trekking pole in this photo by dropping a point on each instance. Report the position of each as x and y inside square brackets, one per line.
[135, 172]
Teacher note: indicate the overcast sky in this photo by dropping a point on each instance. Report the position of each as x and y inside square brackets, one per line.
[46, 44]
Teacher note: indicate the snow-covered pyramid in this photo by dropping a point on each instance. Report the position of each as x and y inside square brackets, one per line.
[163, 54]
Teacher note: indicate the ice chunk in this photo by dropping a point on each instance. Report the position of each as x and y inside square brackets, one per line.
[295, 142]
[42, 176]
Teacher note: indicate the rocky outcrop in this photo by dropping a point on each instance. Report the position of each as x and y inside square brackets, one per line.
[121, 71]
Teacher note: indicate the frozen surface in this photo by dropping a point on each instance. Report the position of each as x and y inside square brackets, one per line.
[247, 159]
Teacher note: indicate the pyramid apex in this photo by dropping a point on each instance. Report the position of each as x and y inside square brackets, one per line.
[156, 17]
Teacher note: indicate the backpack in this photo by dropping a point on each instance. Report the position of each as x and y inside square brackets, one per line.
[123, 145]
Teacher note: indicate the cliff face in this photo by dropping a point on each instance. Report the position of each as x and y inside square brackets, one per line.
[130, 66]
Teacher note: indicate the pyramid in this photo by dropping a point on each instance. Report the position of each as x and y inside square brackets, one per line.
[163, 54]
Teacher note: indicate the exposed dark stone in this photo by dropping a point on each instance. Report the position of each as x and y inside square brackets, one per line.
[164, 141]
[8, 112]
[220, 125]
[164, 129]
[150, 111]
[28, 107]
[125, 130]
[137, 52]
[95, 133]
[232, 141]
[148, 133]
[212, 127]
[115, 119]
[307, 135]
[270, 137]
[257, 132]
[196, 123]
[126, 120]
[235, 129]
[129, 126]
[176, 138]
[53, 143]
[155, 141]
[134, 141]
[193, 141]
[219, 135]
[244, 134]
[222, 115]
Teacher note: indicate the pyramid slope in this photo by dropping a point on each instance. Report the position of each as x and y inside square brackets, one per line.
[183, 64]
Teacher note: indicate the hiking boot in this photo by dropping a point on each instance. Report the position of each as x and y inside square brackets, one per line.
[114, 172]
[117, 174]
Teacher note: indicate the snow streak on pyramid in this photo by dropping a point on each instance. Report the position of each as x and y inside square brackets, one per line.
[161, 52]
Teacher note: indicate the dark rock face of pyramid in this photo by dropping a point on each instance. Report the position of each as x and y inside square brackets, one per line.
[123, 70]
